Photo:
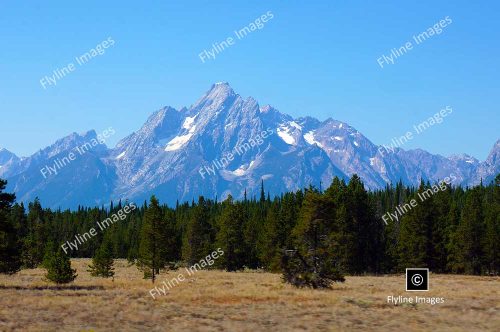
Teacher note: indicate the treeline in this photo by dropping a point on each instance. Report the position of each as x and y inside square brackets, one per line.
[454, 230]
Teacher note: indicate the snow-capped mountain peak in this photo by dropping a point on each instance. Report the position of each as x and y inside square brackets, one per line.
[225, 144]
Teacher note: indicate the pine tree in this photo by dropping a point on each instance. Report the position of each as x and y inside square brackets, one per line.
[18, 219]
[415, 236]
[252, 232]
[59, 268]
[468, 253]
[491, 239]
[172, 242]
[390, 234]
[363, 230]
[230, 236]
[10, 256]
[280, 220]
[269, 249]
[134, 233]
[439, 231]
[344, 235]
[102, 262]
[157, 246]
[312, 262]
[197, 242]
[34, 243]
[50, 249]
[262, 192]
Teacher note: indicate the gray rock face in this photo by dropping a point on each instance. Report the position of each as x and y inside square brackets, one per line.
[7, 157]
[224, 144]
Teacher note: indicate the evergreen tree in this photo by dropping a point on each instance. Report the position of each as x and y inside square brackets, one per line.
[102, 262]
[439, 229]
[10, 256]
[415, 237]
[281, 219]
[197, 243]
[171, 247]
[262, 192]
[452, 221]
[385, 201]
[362, 229]
[134, 231]
[34, 243]
[269, 249]
[157, 244]
[252, 231]
[230, 236]
[313, 262]
[468, 249]
[18, 219]
[59, 268]
[491, 240]
[50, 249]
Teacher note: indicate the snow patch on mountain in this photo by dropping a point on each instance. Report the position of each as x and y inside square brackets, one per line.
[284, 133]
[188, 122]
[179, 141]
[296, 125]
[309, 137]
[240, 171]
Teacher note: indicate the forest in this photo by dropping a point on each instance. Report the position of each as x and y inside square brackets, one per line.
[455, 230]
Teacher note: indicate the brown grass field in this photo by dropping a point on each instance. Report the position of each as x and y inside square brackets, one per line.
[241, 301]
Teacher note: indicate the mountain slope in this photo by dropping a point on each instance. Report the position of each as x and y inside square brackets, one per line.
[7, 157]
[86, 180]
[224, 144]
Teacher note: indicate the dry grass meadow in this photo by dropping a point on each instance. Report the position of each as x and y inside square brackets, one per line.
[242, 301]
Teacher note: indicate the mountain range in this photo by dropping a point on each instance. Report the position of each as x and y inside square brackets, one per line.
[223, 144]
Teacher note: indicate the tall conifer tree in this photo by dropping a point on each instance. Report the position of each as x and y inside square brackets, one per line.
[230, 236]
[152, 241]
[197, 242]
[157, 248]
[10, 256]
[468, 248]
[312, 262]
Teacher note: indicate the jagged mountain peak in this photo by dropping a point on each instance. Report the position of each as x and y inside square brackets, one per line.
[266, 108]
[180, 154]
[69, 142]
[6, 156]
[463, 157]
[219, 91]
[220, 95]
[495, 148]
[308, 121]
[221, 84]
[4, 150]
[158, 119]
[336, 124]
[494, 155]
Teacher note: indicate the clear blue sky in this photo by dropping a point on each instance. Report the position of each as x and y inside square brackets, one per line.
[315, 58]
